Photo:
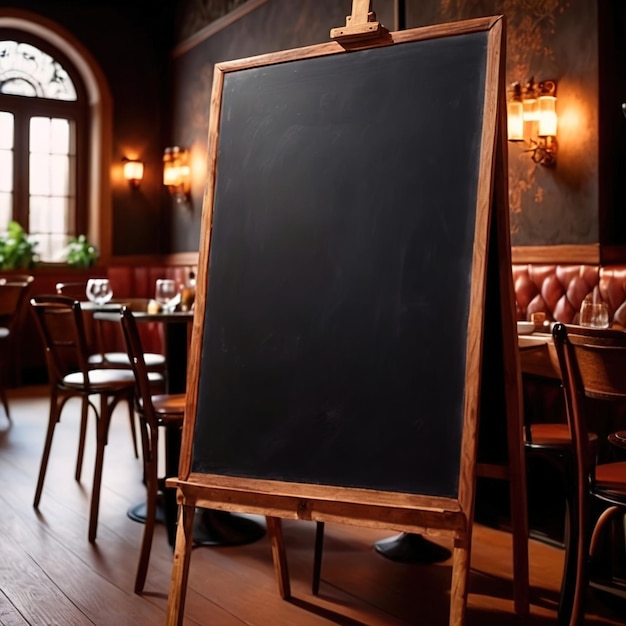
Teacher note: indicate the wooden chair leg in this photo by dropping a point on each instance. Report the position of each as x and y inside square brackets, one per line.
[102, 431]
[568, 583]
[317, 557]
[5, 401]
[606, 515]
[81, 437]
[152, 488]
[52, 422]
[133, 428]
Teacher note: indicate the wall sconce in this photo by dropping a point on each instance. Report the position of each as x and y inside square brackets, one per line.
[531, 112]
[133, 171]
[176, 172]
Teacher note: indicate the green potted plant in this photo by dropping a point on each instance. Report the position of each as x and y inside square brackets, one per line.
[17, 251]
[80, 253]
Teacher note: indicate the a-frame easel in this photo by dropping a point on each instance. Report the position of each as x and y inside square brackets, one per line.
[490, 290]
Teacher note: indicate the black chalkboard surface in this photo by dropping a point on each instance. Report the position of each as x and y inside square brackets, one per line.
[340, 268]
[348, 228]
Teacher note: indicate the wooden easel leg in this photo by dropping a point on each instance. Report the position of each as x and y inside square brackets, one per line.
[519, 519]
[180, 566]
[275, 532]
[458, 591]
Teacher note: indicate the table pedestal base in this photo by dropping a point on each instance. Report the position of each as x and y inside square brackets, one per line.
[411, 548]
[221, 528]
[138, 513]
[210, 528]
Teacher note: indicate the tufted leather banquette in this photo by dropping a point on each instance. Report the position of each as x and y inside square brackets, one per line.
[558, 290]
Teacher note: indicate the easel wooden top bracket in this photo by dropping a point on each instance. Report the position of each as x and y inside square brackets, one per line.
[360, 25]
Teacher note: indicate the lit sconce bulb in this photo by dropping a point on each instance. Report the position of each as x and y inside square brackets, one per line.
[547, 116]
[133, 171]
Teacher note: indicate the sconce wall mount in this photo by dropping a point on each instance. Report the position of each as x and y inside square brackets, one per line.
[531, 115]
[176, 173]
[133, 171]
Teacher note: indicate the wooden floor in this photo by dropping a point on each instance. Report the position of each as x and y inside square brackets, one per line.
[50, 574]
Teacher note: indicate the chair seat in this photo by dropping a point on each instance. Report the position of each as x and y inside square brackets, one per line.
[610, 476]
[553, 435]
[120, 359]
[170, 405]
[101, 379]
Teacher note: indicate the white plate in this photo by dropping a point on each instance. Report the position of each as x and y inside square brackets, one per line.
[525, 328]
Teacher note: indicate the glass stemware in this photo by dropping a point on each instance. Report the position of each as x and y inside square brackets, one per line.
[166, 293]
[594, 314]
[99, 291]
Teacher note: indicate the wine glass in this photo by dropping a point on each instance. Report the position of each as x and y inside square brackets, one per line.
[99, 290]
[594, 314]
[166, 292]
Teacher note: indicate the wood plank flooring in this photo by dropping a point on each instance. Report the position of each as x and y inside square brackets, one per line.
[50, 574]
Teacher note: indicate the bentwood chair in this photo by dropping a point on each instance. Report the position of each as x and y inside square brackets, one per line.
[552, 442]
[593, 369]
[156, 412]
[550, 455]
[60, 322]
[12, 300]
[101, 357]
[17, 278]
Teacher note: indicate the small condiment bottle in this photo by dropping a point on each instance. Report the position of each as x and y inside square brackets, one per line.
[188, 293]
[538, 318]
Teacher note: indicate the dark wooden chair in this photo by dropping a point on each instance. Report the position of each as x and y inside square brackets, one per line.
[593, 368]
[12, 300]
[552, 442]
[101, 356]
[156, 412]
[60, 321]
[16, 278]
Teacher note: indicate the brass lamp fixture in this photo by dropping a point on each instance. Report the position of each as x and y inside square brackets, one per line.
[531, 112]
[133, 171]
[176, 173]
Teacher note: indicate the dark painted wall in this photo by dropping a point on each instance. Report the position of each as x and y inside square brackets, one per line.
[276, 25]
[577, 202]
[581, 45]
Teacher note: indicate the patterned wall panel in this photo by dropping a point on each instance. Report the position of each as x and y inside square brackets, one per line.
[272, 26]
[546, 39]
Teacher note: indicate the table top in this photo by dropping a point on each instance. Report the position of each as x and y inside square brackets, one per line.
[113, 315]
[538, 356]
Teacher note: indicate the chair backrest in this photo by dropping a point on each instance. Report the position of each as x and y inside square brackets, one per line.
[134, 348]
[60, 321]
[17, 278]
[12, 299]
[593, 365]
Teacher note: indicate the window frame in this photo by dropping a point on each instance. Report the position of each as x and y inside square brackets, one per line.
[23, 109]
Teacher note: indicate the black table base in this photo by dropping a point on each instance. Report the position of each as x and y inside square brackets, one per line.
[221, 528]
[411, 548]
[210, 528]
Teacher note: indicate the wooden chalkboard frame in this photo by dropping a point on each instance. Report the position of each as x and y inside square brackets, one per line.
[433, 514]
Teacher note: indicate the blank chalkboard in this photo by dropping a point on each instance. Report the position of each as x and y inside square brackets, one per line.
[340, 268]
[349, 225]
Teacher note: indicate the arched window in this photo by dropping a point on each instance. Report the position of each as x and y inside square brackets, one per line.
[43, 113]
